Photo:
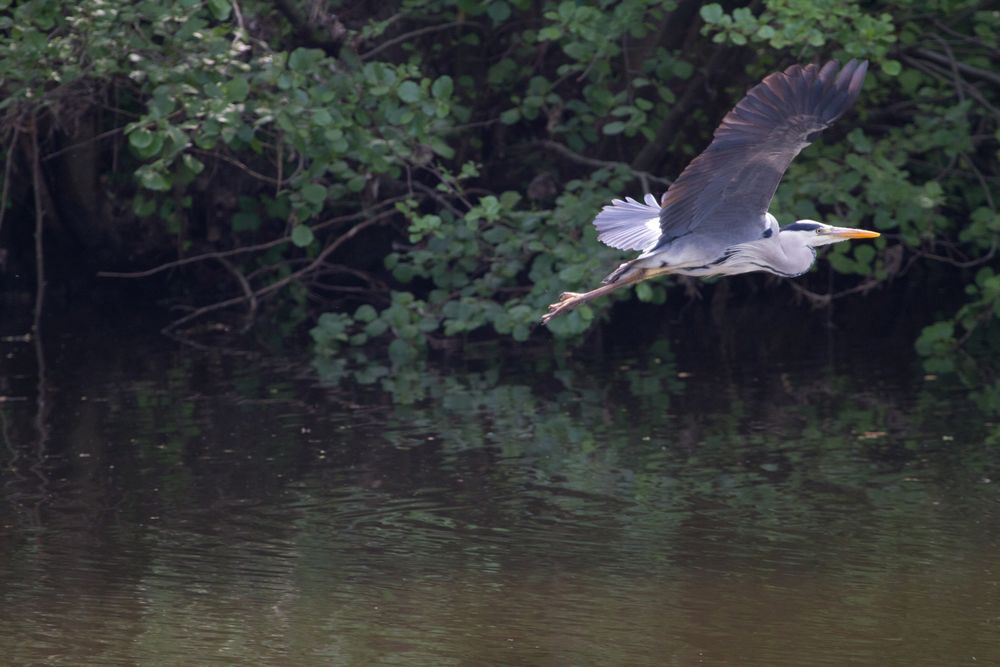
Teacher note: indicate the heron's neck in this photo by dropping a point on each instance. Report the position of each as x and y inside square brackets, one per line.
[790, 257]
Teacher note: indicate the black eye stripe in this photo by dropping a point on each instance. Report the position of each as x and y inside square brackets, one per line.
[801, 227]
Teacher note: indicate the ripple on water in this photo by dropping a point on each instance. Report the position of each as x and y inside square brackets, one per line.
[783, 516]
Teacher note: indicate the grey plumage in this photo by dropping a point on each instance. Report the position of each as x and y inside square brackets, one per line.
[713, 219]
[630, 225]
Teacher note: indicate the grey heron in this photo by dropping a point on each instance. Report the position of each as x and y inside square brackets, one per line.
[713, 220]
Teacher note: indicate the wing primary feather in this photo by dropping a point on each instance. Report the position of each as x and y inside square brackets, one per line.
[726, 190]
[827, 70]
[857, 79]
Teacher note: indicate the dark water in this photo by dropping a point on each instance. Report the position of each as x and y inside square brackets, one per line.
[163, 505]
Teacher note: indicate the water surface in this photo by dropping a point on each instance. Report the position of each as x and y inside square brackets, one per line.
[163, 505]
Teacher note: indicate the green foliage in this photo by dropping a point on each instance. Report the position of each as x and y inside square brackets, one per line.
[925, 179]
[937, 342]
[785, 24]
[438, 118]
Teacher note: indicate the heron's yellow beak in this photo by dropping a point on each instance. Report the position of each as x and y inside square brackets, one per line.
[848, 233]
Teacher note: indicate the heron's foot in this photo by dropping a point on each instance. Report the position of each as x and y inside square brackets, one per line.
[567, 301]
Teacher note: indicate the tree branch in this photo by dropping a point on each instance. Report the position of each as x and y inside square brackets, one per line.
[221, 254]
[409, 35]
[936, 70]
[36, 179]
[6, 178]
[959, 65]
[820, 300]
[239, 165]
[311, 33]
[649, 156]
[247, 290]
[569, 153]
[273, 287]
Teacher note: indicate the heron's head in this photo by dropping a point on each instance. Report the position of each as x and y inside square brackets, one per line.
[815, 234]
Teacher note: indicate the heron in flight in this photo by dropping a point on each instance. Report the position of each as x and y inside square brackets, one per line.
[713, 220]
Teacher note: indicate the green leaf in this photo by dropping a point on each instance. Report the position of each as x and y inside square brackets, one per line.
[245, 221]
[439, 146]
[143, 207]
[520, 333]
[322, 117]
[302, 236]
[510, 116]
[220, 9]
[498, 11]
[571, 274]
[711, 13]
[330, 329]
[146, 144]
[301, 59]
[408, 91]
[443, 87]
[765, 32]
[401, 351]
[936, 338]
[236, 89]
[365, 313]
[140, 138]
[193, 164]
[892, 67]
[864, 253]
[376, 328]
[314, 193]
[153, 180]
[614, 127]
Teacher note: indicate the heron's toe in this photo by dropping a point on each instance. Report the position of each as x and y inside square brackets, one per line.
[567, 300]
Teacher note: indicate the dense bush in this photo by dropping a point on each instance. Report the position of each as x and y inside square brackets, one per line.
[428, 168]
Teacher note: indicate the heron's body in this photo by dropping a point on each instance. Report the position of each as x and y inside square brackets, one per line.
[713, 220]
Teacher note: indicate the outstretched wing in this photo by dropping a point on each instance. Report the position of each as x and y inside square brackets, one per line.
[725, 191]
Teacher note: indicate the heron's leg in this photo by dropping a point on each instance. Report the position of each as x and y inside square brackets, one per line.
[570, 300]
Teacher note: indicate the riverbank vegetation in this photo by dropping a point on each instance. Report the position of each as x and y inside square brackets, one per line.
[425, 171]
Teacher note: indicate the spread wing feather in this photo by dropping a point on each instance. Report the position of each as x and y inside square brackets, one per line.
[628, 224]
[725, 191]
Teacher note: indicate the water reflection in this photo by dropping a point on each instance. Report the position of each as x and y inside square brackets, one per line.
[215, 509]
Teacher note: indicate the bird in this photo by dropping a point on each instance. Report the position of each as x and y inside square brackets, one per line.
[713, 219]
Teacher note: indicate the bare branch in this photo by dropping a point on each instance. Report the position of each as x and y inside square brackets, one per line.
[95, 138]
[436, 196]
[951, 61]
[247, 290]
[650, 154]
[953, 65]
[236, 163]
[409, 35]
[6, 174]
[820, 300]
[938, 71]
[976, 42]
[239, 17]
[275, 286]
[218, 255]
[36, 179]
[594, 162]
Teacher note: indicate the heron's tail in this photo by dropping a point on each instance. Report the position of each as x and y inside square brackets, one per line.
[628, 224]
